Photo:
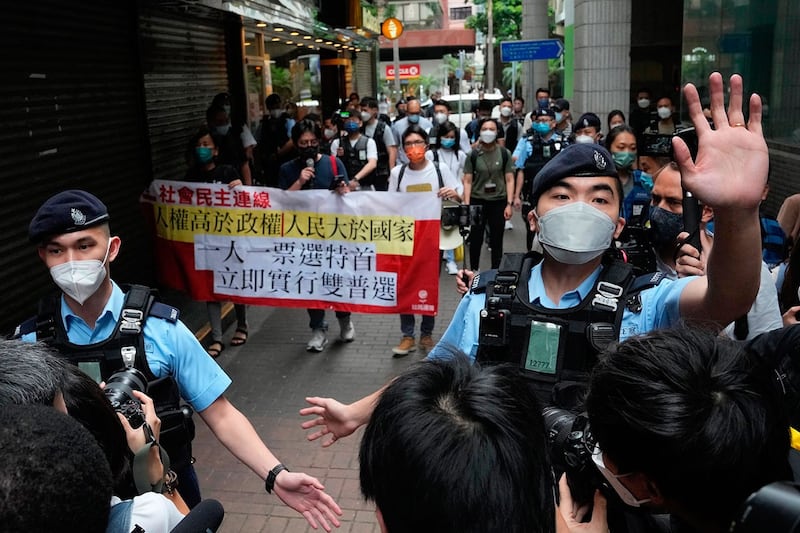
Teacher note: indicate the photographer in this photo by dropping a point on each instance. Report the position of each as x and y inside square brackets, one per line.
[311, 170]
[574, 302]
[688, 423]
[94, 324]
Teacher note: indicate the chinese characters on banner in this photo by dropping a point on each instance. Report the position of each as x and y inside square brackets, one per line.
[365, 252]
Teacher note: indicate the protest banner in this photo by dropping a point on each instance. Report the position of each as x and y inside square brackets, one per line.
[364, 252]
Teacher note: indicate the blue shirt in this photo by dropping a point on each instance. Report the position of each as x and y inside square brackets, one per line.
[524, 149]
[660, 309]
[171, 349]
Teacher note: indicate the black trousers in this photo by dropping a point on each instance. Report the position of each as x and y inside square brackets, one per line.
[494, 219]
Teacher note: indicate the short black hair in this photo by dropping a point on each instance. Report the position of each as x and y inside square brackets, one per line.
[455, 447]
[444, 103]
[616, 132]
[370, 102]
[542, 90]
[304, 126]
[695, 413]
[273, 101]
[414, 128]
[521, 99]
[614, 113]
[53, 476]
[212, 112]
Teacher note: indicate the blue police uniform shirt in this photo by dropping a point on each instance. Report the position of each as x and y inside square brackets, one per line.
[171, 349]
[660, 309]
[524, 149]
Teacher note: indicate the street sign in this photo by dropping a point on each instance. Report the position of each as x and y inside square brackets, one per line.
[530, 50]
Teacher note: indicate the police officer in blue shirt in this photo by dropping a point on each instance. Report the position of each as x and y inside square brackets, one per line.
[71, 231]
[577, 198]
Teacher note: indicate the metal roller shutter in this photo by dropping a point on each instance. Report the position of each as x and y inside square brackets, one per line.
[183, 58]
[72, 116]
[365, 73]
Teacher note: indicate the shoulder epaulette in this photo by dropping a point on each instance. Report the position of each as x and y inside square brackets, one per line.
[481, 280]
[646, 281]
[164, 311]
[29, 326]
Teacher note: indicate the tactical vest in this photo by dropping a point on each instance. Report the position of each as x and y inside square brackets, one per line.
[382, 170]
[124, 349]
[541, 152]
[355, 158]
[555, 348]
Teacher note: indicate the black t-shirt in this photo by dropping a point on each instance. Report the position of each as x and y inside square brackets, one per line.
[218, 174]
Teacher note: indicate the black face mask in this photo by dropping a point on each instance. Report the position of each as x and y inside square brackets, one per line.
[664, 227]
[309, 152]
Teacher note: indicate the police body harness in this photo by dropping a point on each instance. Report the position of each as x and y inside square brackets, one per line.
[556, 348]
[124, 349]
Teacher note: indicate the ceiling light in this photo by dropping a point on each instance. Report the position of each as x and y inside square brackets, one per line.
[276, 39]
[317, 40]
[306, 37]
[294, 33]
[261, 25]
[328, 42]
[289, 42]
[278, 29]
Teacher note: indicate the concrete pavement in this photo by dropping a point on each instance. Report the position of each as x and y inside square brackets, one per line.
[272, 374]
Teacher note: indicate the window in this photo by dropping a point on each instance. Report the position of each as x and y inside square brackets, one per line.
[460, 13]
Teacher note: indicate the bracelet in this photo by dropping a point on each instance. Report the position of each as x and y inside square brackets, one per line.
[269, 483]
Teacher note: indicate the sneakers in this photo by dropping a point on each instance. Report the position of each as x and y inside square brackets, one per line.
[452, 268]
[426, 343]
[406, 346]
[318, 341]
[346, 330]
[509, 225]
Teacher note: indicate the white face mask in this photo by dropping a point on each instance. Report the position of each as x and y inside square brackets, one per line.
[488, 136]
[329, 133]
[644, 103]
[275, 113]
[366, 116]
[664, 112]
[575, 233]
[440, 118]
[505, 111]
[584, 139]
[80, 279]
[622, 491]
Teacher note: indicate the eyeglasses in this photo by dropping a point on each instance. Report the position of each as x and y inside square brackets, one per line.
[312, 144]
[409, 144]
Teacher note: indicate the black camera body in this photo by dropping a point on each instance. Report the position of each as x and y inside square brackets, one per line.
[464, 216]
[119, 391]
[571, 447]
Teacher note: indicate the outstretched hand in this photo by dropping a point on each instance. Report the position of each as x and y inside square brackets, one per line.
[307, 496]
[334, 418]
[732, 161]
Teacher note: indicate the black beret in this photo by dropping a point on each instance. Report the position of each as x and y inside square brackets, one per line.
[579, 160]
[67, 212]
[543, 112]
[588, 120]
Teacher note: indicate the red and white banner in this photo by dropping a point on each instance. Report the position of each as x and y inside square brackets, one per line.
[410, 70]
[365, 252]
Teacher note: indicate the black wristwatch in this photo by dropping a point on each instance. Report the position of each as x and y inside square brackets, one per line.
[269, 483]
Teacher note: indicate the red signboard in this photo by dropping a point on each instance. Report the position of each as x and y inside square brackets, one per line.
[410, 70]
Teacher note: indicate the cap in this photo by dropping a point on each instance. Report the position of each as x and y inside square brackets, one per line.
[561, 104]
[542, 112]
[588, 120]
[579, 160]
[67, 212]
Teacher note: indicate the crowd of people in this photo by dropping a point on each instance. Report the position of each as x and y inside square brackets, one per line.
[680, 386]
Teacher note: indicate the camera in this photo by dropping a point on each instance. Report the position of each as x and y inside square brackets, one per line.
[464, 216]
[660, 144]
[774, 507]
[337, 182]
[119, 391]
[571, 447]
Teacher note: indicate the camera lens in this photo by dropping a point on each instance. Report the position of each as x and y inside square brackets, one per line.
[120, 386]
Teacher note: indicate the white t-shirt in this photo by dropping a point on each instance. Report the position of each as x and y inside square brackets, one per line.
[372, 148]
[247, 137]
[424, 180]
[388, 136]
[155, 513]
[454, 159]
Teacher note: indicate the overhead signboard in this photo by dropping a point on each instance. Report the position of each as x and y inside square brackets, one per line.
[407, 71]
[511, 51]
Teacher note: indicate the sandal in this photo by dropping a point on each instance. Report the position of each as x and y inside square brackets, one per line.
[239, 337]
[215, 348]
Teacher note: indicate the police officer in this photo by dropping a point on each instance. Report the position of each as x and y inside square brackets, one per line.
[539, 146]
[577, 199]
[92, 320]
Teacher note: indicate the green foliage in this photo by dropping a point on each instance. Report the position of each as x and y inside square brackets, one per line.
[507, 20]
[281, 81]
